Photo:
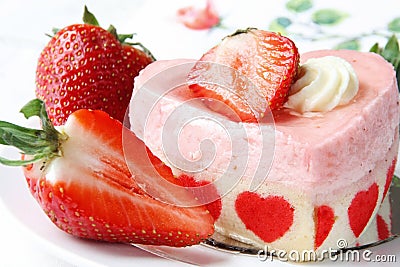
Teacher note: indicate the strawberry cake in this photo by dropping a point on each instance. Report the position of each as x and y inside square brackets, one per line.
[326, 170]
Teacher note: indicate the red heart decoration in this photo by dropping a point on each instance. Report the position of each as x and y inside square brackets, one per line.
[269, 218]
[324, 218]
[382, 227]
[389, 177]
[361, 208]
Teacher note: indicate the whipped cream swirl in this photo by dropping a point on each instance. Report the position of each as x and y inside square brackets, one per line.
[324, 83]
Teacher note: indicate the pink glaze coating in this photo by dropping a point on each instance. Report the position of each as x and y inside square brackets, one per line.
[329, 150]
[343, 145]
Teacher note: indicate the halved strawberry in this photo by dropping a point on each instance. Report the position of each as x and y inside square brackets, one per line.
[203, 191]
[206, 192]
[255, 70]
[80, 177]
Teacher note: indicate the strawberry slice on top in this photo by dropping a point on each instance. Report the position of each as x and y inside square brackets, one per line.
[80, 177]
[246, 73]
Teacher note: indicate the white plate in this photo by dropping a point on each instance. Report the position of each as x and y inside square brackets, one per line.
[27, 214]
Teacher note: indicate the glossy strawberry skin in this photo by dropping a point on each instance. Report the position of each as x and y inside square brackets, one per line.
[137, 59]
[266, 60]
[90, 192]
[85, 66]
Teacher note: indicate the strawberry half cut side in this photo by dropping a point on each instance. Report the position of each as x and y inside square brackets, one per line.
[263, 67]
[79, 176]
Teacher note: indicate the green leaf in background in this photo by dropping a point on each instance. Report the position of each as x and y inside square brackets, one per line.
[375, 49]
[284, 21]
[391, 52]
[396, 181]
[275, 27]
[299, 5]
[328, 16]
[398, 76]
[279, 25]
[350, 44]
[394, 25]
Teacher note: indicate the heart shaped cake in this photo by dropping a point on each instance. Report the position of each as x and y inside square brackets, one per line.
[309, 175]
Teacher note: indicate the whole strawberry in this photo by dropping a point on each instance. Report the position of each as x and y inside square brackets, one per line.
[86, 66]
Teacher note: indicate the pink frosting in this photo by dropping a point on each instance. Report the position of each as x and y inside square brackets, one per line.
[343, 144]
[334, 149]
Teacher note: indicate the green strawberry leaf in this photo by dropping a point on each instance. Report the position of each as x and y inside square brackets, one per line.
[350, 44]
[34, 107]
[394, 25]
[89, 17]
[328, 16]
[40, 144]
[299, 5]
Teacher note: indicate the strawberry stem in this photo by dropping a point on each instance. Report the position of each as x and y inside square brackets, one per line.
[90, 18]
[37, 143]
[240, 31]
[147, 51]
[123, 37]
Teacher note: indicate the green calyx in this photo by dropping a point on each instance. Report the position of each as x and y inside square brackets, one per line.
[240, 31]
[90, 18]
[37, 143]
